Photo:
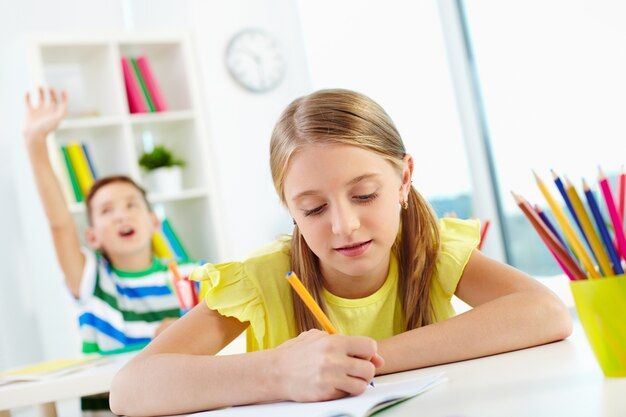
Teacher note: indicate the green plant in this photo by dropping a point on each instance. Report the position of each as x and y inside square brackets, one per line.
[158, 158]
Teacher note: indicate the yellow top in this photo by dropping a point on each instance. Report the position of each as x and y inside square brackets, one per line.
[257, 292]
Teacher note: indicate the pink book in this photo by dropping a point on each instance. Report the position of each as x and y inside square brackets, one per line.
[153, 88]
[136, 102]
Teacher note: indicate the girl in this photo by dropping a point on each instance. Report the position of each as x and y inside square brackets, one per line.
[370, 250]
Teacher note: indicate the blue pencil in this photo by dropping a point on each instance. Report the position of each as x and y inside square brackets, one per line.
[548, 223]
[570, 207]
[604, 232]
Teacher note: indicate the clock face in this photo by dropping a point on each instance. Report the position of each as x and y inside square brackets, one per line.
[254, 60]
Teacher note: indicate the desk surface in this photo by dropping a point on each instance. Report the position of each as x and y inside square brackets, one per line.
[559, 379]
[92, 380]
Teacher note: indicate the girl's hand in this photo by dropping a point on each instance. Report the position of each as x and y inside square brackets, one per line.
[316, 366]
[45, 116]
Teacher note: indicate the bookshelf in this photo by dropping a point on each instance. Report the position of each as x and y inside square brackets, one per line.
[90, 70]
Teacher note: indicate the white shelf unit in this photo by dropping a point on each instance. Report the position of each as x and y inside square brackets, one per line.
[90, 70]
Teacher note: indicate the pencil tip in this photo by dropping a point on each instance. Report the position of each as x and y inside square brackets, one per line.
[536, 176]
[288, 274]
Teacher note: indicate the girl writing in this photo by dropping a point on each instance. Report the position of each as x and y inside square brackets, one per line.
[369, 249]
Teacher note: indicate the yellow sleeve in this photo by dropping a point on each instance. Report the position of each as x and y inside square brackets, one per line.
[227, 289]
[459, 238]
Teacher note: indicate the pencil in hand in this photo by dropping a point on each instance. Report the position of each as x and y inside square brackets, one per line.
[305, 296]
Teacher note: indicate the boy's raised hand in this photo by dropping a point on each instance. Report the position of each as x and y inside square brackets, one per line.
[44, 117]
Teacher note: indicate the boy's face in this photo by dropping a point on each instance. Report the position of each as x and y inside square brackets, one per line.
[122, 223]
[345, 201]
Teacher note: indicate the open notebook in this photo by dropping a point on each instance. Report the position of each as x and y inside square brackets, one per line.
[383, 395]
[51, 369]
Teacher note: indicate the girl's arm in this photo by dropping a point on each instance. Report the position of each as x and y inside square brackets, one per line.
[178, 372]
[511, 311]
[41, 120]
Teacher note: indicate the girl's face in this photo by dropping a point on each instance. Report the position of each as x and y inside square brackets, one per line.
[345, 201]
[122, 222]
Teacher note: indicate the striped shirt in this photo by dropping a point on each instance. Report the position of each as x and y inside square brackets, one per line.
[120, 310]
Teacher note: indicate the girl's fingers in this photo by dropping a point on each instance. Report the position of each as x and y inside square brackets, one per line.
[361, 347]
[361, 368]
[352, 385]
[28, 103]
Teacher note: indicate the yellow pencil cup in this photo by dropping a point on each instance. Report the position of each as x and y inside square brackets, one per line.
[601, 306]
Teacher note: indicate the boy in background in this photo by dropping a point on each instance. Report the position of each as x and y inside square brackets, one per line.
[121, 289]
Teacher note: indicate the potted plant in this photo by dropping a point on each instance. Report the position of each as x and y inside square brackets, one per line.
[163, 170]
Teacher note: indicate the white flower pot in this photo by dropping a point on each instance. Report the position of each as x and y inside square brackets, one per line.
[165, 180]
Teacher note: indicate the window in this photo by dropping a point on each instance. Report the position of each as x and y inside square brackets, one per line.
[393, 51]
[553, 81]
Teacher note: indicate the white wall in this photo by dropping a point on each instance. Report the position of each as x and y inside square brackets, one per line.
[35, 312]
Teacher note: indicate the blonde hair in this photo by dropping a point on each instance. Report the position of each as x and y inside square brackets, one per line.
[350, 118]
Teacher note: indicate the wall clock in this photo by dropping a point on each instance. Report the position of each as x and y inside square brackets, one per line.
[255, 61]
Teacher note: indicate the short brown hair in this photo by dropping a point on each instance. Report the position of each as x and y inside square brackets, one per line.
[110, 180]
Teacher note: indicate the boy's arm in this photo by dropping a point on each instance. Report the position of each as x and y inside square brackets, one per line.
[41, 119]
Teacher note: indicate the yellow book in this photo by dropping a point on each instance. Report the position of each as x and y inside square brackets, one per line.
[161, 250]
[51, 369]
[81, 167]
[58, 166]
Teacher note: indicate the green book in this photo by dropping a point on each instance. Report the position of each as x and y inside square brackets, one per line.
[70, 172]
[174, 241]
[142, 83]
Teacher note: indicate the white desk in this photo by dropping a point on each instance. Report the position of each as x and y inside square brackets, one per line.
[44, 394]
[559, 379]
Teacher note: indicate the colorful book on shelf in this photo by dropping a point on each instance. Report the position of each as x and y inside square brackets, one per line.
[174, 241]
[57, 160]
[81, 168]
[71, 174]
[151, 85]
[89, 160]
[51, 369]
[134, 95]
[142, 84]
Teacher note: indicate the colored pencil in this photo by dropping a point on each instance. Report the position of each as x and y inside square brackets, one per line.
[547, 222]
[592, 237]
[618, 229]
[569, 266]
[173, 267]
[604, 231]
[305, 296]
[567, 229]
[621, 183]
[483, 233]
[570, 206]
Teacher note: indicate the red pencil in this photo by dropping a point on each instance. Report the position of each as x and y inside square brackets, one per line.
[621, 192]
[550, 240]
[483, 233]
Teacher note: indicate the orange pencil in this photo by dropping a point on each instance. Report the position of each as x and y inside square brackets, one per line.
[310, 302]
[176, 279]
[174, 269]
[568, 231]
[483, 233]
[549, 239]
